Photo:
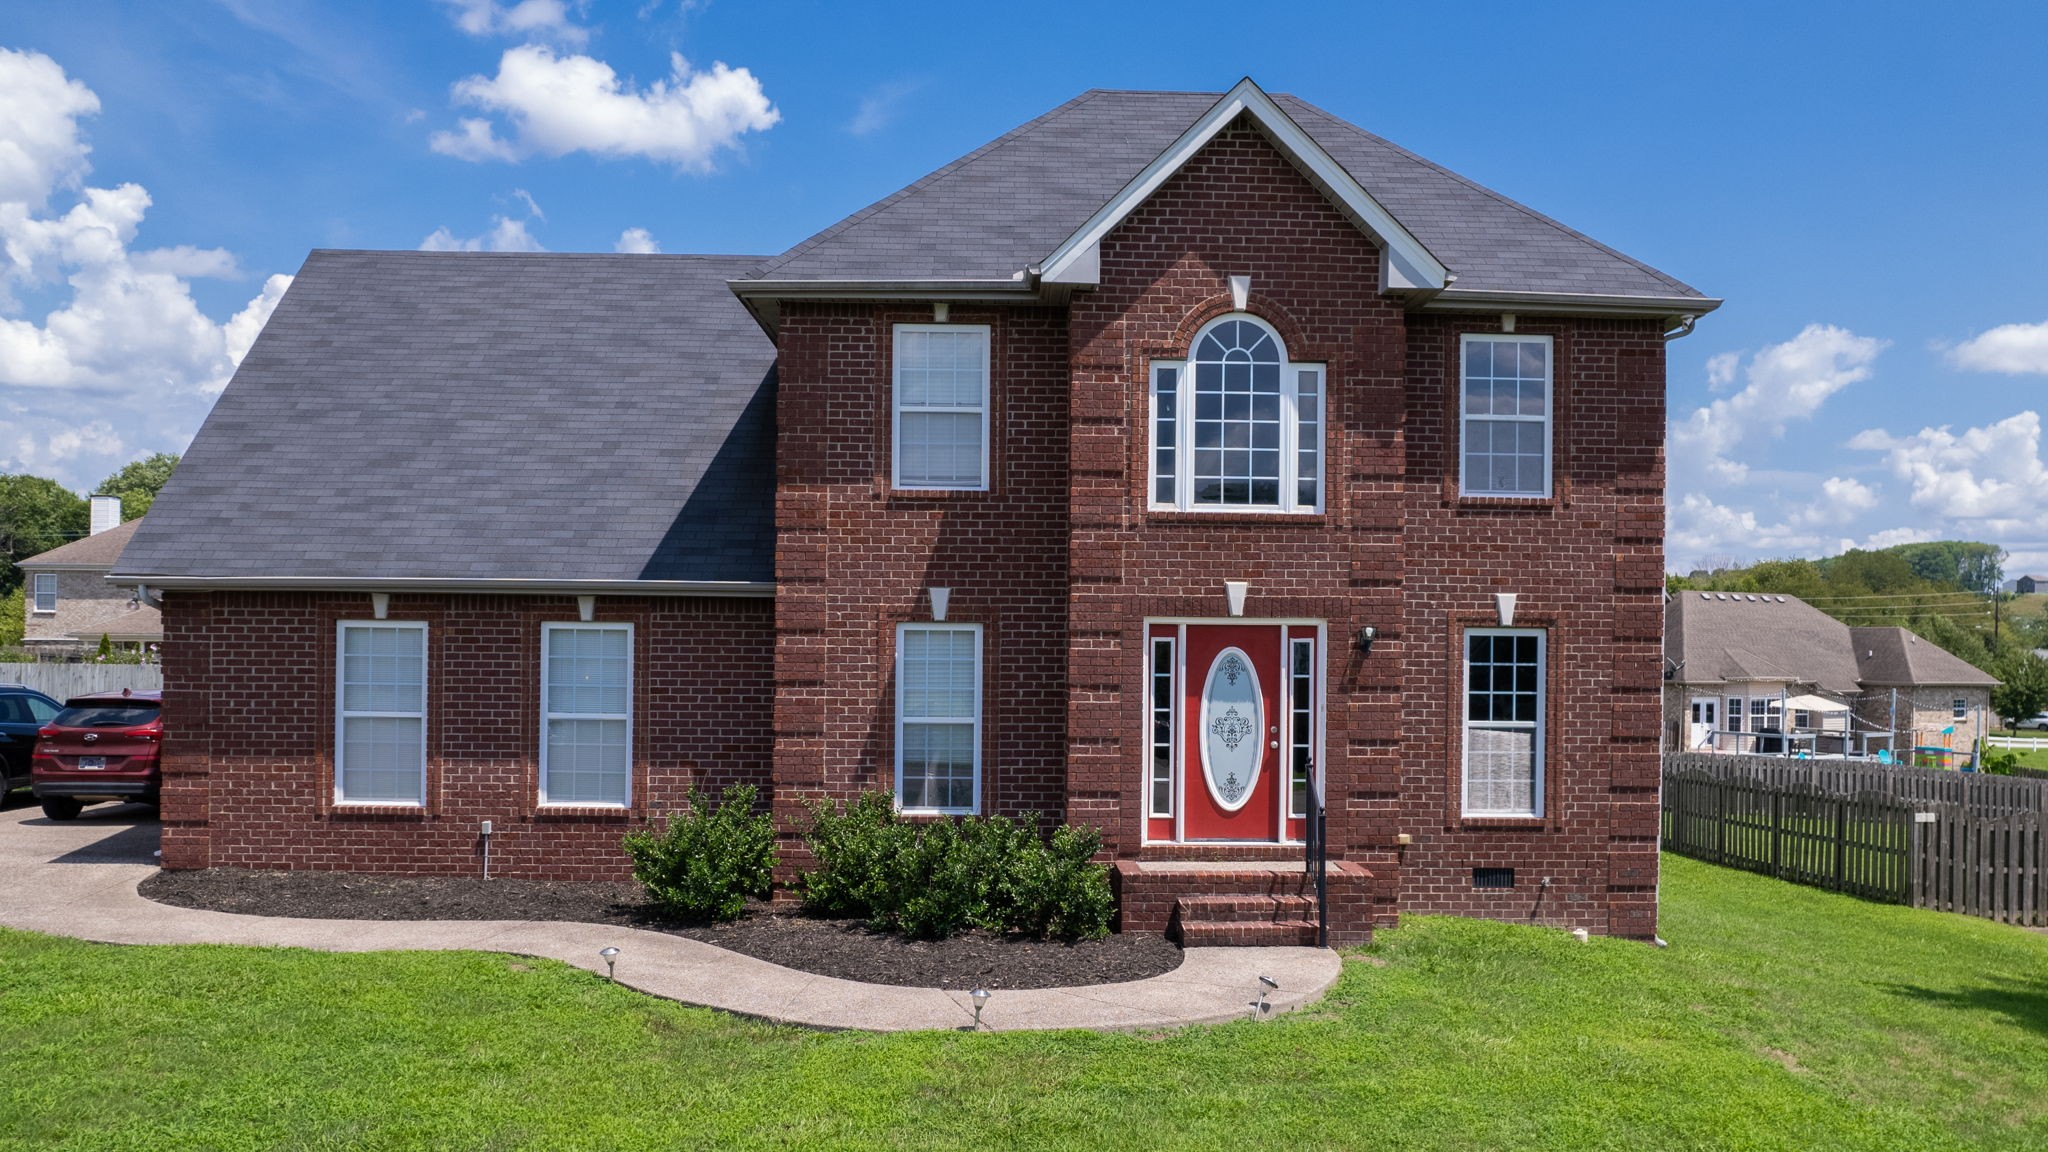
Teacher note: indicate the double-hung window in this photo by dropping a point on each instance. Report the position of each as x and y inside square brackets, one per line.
[1506, 407]
[1959, 709]
[380, 739]
[1236, 426]
[938, 717]
[940, 406]
[46, 592]
[1504, 684]
[586, 751]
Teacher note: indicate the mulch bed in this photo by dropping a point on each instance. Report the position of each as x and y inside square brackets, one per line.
[843, 948]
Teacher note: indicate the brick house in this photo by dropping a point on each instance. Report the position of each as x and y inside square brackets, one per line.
[1160, 466]
[69, 603]
[1764, 673]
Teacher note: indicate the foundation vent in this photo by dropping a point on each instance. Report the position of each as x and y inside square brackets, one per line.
[1493, 877]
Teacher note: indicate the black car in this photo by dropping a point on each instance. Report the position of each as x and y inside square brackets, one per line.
[23, 711]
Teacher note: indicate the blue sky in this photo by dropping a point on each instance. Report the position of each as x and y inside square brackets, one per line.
[1862, 182]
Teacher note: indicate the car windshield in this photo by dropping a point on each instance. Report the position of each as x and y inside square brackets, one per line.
[107, 715]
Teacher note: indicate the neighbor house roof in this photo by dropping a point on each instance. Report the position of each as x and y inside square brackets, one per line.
[1713, 638]
[995, 213]
[99, 550]
[453, 418]
[1723, 637]
[1895, 657]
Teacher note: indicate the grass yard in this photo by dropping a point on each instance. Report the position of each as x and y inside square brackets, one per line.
[1780, 1017]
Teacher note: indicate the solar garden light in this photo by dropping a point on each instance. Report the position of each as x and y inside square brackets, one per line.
[1266, 985]
[980, 998]
[611, 960]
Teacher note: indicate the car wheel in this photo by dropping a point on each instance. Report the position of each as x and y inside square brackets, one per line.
[62, 807]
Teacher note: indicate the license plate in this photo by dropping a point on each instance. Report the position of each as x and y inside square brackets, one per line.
[91, 763]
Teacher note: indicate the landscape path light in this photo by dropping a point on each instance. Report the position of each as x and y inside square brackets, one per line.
[980, 998]
[1266, 984]
[611, 960]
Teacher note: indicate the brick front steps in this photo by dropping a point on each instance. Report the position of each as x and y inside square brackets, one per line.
[1241, 902]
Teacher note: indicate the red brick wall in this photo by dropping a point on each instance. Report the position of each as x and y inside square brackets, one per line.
[1394, 548]
[249, 730]
[854, 557]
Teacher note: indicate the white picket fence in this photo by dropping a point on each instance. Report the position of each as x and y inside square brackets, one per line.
[63, 681]
[2018, 743]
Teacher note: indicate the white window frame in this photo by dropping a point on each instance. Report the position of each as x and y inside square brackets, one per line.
[1297, 703]
[1959, 708]
[37, 595]
[1548, 419]
[1540, 726]
[1153, 645]
[341, 712]
[1290, 432]
[896, 406]
[546, 628]
[903, 630]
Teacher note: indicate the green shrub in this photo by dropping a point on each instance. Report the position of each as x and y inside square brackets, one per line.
[933, 879]
[708, 859]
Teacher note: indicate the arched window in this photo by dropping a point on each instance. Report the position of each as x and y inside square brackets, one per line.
[1236, 425]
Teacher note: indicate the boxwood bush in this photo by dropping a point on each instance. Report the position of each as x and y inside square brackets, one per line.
[709, 858]
[932, 879]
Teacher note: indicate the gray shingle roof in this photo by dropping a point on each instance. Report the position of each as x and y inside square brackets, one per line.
[486, 416]
[1007, 205]
[1721, 637]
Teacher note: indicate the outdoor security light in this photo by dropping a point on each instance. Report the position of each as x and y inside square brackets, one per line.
[611, 960]
[980, 998]
[1366, 636]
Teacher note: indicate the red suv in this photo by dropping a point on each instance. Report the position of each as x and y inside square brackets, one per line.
[103, 746]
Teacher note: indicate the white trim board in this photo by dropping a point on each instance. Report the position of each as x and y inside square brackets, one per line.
[1408, 266]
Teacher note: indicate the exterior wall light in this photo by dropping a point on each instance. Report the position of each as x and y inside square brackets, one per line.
[1366, 636]
[611, 961]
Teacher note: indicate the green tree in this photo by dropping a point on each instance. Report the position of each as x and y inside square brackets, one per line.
[13, 617]
[138, 483]
[36, 515]
[2023, 687]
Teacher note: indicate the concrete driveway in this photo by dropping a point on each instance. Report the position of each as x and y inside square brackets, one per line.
[77, 878]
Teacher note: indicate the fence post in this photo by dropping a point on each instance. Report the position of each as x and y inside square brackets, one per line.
[1777, 831]
[1841, 839]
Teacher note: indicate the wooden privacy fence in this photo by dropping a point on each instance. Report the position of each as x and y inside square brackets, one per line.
[1871, 844]
[1976, 791]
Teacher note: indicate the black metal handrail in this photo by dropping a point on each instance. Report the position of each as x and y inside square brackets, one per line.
[1316, 842]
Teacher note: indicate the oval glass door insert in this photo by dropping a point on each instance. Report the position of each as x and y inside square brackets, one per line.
[1231, 728]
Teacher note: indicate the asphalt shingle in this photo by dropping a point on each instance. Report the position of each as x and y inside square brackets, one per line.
[486, 416]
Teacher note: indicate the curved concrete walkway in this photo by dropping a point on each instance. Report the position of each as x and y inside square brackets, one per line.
[78, 879]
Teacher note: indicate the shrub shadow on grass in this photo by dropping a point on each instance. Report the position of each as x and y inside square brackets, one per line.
[2024, 1002]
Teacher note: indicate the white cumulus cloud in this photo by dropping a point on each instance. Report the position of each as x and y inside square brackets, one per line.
[504, 235]
[2014, 349]
[545, 18]
[1784, 383]
[638, 240]
[122, 359]
[555, 105]
[1992, 474]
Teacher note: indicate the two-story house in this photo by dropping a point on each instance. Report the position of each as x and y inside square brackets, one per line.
[68, 602]
[1164, 465]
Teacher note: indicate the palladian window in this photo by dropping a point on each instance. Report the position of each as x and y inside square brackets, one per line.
[1236, 426]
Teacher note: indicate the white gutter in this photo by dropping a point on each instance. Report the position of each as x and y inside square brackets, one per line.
[1572, 303]
[513, 586]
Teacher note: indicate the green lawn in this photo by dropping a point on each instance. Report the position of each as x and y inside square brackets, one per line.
[1780, 1017]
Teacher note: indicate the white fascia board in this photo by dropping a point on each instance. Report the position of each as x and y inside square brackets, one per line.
[1409, 266]
[1555, 303]
[510, 586]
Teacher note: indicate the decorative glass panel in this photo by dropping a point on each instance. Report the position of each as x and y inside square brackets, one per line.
[1162, 727]
[1233, 729]
[1301, 722]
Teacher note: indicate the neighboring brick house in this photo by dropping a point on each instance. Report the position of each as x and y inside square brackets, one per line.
[1772, 674]
[1159, 460]
[70, 604]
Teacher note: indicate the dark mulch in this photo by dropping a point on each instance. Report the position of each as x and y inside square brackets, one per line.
[843, 948]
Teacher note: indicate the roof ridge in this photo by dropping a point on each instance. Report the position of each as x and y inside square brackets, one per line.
[1485, 191]
[539, 255]
[847, 223]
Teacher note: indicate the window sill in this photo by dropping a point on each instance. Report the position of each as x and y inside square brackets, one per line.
[1519, 503]
[1503, 823]
[935, 813]
[42, 612]
[376, 810]
[582, 811]
[1234, 516]
[923, 494]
